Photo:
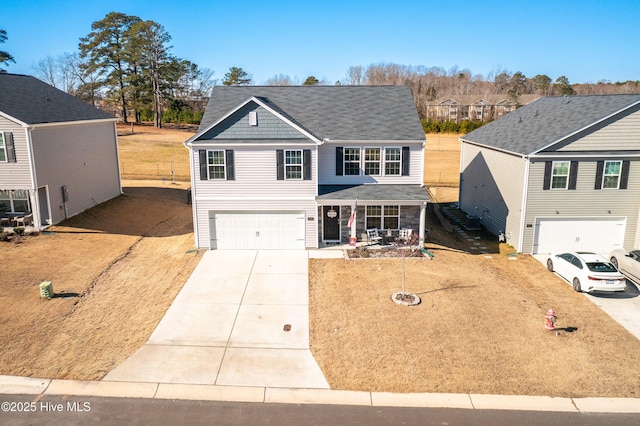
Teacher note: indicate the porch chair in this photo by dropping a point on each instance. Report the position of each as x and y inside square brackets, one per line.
[404, 236]
[24, 220]
[5, 221]
[373, 237]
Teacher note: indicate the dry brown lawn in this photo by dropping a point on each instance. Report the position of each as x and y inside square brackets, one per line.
[479, 328]
[150, 153]
[442, 166]
[116, 268]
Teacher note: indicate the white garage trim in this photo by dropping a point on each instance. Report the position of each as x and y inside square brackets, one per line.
[563, 234]
[238, 230]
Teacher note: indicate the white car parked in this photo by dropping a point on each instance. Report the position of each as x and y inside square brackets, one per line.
[627, 262]
[587, 271]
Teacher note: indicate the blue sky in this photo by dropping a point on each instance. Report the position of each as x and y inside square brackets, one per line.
[586, 41]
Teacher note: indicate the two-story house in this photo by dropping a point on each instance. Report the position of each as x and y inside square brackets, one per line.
[287, 166]
[559, 174]
[58, 155]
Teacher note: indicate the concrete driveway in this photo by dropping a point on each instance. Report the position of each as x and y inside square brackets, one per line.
[242, 319]
[624, 307]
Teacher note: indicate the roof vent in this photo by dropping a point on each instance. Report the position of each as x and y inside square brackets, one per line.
[253, 118]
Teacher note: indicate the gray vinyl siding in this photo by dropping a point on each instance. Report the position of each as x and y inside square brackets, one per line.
[268, 126]
[327, 159]
[81, 156]
[620, 135]
[491, 187]
[584, 201]
[255, 176]
[16, 175]
[255, 188]
[202, 209]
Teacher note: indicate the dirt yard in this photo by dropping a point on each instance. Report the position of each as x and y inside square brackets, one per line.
[116, 268]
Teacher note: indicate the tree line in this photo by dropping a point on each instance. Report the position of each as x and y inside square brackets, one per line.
[127, 62]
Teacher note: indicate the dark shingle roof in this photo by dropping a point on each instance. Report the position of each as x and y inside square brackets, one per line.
[547, 120]
[32, 101]
[331, 112]
[373, 192]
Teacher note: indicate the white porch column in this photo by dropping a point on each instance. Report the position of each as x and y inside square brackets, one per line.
[423, 217]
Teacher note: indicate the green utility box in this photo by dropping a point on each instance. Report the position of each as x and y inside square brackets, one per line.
[46, 290]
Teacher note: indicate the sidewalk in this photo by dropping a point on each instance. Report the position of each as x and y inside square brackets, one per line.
[267, 395]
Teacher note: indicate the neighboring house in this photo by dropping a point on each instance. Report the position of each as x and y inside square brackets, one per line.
[283, 167]
[470, 107]
[58, 155]
[560, 174]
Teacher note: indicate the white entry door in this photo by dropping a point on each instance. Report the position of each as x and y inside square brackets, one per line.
[256, 230]
[598, 235]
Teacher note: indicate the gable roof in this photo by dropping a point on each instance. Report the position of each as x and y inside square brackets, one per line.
[329, 112]
[546, 121]
[205, 133]
[31, 101]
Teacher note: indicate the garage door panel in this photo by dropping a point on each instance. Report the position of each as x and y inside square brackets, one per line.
[257, 230]
[600, 235]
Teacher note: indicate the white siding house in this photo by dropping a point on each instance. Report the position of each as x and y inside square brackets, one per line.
[58, 155]
[560, 174]
[284, 167]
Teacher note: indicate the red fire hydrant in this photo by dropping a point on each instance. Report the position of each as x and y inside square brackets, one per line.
[550, 320]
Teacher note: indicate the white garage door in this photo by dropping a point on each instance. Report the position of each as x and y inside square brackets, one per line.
[598, 235]
[256, 230]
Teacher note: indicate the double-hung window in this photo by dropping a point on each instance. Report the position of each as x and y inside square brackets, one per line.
[392, 161]
[352, 161]
[391, 217]
[383, 217]
[293, 163]
[372, 161]
[611, 175]
[217, 164]
[3, 149]
[14, 201]
[560, 175]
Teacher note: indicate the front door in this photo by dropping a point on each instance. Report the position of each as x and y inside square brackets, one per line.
[331, 223]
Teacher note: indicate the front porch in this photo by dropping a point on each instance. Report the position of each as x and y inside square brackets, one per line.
[348, 211]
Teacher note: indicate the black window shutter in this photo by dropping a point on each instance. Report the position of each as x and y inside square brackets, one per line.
[306, 164]
[547, 175]
[405, 161]
[280, 164]
[339, 160]
[10, 147]
[624, 174]
[204, 175]
[599, 172]
[231, 169]
[573, 175]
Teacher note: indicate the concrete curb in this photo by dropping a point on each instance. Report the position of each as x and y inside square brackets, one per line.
[43, 387]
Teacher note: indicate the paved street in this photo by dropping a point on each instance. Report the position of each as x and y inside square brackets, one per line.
[131, 411]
